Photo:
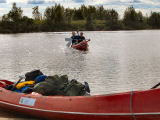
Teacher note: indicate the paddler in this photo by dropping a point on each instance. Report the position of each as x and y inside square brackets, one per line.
[74, 38]
[81, 37]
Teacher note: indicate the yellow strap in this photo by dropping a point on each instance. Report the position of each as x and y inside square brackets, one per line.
[23, 84]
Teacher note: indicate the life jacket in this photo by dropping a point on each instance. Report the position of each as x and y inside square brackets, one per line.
[80, 38]
[23, 84]
[74, 39]
[21, 90]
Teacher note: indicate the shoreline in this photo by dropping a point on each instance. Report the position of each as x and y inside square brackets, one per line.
[81, 30]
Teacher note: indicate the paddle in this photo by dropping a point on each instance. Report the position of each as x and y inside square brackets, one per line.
[155, 86]
[20, 78]
[88, 40]
[78, 32]
[69, 40]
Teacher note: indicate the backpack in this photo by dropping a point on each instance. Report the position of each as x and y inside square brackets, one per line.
[53, 85]
[75, 88]
[60, 85]
[32, 75]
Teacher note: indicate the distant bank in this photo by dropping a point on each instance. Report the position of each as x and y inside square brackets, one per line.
[86, 18]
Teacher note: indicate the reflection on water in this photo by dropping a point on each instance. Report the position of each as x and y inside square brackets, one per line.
[116, 61]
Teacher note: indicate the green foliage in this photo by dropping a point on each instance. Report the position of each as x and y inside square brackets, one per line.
[133, 19]
[90, 17]
[15, 14]
[112, 21]
[154, 20]
[100, 13]
[11, 21]
[90, 23]
[14, 22]
[36, 13]
[78, 14]
[58, 18]
[59, 15]
[77, 25]
[55, 17]
[69, 15]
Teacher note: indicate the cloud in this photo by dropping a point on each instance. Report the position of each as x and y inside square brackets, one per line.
[146, 6]
[136, 1]
[119, 5]
[3, 11]
[17, 1]
[41, 2]
[36, 2]
[79, 1]
[2, 1]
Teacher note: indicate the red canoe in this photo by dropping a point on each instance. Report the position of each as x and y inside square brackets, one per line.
[81, 46]
[136, 105]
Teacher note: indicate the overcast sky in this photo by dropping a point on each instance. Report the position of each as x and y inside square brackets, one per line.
[146, 6]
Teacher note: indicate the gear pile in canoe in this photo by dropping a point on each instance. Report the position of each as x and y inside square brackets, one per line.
[36, 81]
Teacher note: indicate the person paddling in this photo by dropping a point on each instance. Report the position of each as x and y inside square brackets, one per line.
[74, 38]
[81, 37]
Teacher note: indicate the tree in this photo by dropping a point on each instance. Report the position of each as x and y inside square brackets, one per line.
[59, 20]
[112, 21]
[90, 17]
[5, 18]
[100, 13]
[15, 14]
[69, 15]
[36, 13]
[11, 21]
[28, 24]
[48, 14]
[154, 20]
[55, 17]
[78, 14]
[132, 19]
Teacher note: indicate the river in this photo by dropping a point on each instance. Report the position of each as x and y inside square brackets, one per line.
[117, 61]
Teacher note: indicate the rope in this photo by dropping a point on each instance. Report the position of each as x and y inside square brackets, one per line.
[131, 107]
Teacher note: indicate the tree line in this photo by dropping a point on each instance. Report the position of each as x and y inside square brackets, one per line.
[58, 18]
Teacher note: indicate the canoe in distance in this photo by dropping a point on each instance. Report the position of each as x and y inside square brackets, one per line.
[83, 46]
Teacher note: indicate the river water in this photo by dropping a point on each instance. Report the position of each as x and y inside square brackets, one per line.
[116, 61]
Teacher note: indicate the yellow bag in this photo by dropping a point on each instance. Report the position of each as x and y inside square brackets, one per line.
[23, 84]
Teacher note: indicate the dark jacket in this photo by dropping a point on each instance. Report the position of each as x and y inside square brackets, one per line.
[74, 39]
[80, 38]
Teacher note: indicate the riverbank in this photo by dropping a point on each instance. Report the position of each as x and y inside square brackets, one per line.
[100, 25]
[86, 18]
